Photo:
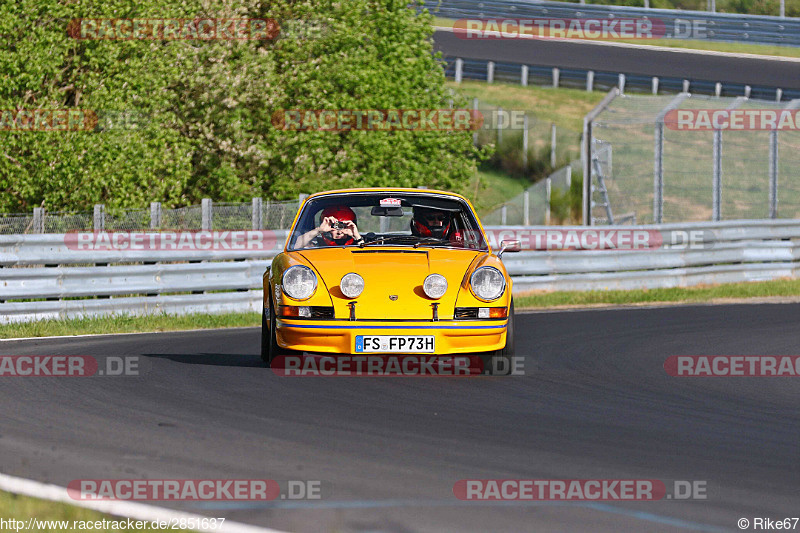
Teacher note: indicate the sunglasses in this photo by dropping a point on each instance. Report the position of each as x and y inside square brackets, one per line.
[435, 218]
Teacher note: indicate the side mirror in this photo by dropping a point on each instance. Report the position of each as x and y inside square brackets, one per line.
[509, 246]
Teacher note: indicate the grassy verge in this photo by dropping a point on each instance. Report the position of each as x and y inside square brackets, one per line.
[127, 324]
[23, 508]
[488, 189]
[712, 293]
[691, 44]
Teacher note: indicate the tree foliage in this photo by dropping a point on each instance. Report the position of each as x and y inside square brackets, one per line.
[208, 104]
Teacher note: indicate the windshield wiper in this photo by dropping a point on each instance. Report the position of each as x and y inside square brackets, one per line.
[404, 239]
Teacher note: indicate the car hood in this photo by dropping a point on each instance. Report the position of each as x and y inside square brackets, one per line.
[393, 279]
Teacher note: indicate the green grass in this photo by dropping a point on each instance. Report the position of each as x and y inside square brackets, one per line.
[127, 324]
[14, 506]
[733, 48]
[488, 189]
[713, 293]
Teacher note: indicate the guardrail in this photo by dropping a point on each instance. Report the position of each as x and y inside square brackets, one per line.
[717, 26]
[65, 282]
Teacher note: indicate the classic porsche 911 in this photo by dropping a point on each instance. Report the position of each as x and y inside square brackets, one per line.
[388, 271]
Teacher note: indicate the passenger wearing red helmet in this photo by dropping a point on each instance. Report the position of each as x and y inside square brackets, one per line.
[337, 228]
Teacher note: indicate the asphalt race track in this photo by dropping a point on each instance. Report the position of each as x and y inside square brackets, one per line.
[595, 403]
[630, 60]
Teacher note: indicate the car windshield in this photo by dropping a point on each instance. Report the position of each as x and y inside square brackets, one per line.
[387, 219]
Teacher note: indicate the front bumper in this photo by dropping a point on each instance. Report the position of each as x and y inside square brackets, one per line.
[339, 336]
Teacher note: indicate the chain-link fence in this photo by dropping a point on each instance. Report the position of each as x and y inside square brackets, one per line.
[256, 214]
[533, 206]
[694, 158]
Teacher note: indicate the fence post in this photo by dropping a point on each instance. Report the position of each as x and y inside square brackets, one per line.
[99, 219]
[524, 76]
[258, 214]
[654, 84]
[553, 145]
[569, 177]
[207, 214]
[459, 69]
[499, 126]
[621, 83]
[503, 215]
[38, 220]
[525, 143]
[548, 191]
[556, 76]
[490, 72]
[155, 215]
[773, 174]
[300, 199]
[589, 81]
[475, 117]
[526, 207]
[716, 184]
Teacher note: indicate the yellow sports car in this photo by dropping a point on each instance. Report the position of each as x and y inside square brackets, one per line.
[388, 271]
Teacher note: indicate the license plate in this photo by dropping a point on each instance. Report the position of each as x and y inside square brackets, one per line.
[395, 343]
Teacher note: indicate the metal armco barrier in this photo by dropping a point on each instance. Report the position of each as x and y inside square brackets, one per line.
[716, 26]
[64, 280]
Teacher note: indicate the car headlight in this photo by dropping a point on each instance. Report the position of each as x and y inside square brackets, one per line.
[435, 286]
[352, 285]
[299, 282]
[487, 283]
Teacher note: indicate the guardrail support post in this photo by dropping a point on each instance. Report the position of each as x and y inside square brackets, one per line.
[490, 72]
[778, 95]
[686, 86]
[38, 220]
[258, 214]
[747, 90]
[524, 76]
[504, 215]
[718, 89]
[99, 219]
[590, 81]
[459, 69]
[654, 84]
[207, 214]
[155, 215]
[556, 76]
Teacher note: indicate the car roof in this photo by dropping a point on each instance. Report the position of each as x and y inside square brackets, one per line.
[387, 190]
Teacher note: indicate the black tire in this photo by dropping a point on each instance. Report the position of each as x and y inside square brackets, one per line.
[269, 343]
[500, 362]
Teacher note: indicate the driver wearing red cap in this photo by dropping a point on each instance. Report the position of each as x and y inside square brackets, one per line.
[337, 228]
